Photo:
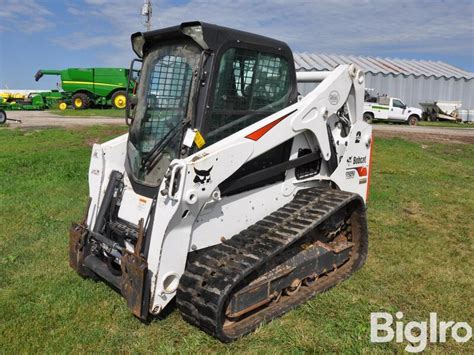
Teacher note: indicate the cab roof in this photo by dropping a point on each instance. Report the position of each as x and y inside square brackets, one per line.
[214, 37]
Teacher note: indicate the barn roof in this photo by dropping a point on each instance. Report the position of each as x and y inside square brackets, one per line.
[375, 65]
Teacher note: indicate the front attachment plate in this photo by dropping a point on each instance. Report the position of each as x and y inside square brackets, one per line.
[77, 237]
[134, 270]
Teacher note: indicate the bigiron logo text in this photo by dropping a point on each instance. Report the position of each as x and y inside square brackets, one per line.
[416, 334]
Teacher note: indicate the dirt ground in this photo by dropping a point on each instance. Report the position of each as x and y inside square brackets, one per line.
[438, 134]
[45, 119]
[38, 119]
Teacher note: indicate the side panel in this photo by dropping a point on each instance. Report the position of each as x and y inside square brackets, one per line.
[81, 74]
[380, 111]
[109, 79]
[133, 207]
[105, 158]
[226, 217]
[75, 79]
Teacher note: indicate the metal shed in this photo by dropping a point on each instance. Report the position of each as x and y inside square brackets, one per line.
[413, 81]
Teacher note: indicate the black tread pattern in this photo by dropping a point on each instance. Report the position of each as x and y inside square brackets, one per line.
[209, 279]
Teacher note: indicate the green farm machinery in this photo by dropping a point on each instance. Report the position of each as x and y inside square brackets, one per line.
[34, 101]
[87, 87]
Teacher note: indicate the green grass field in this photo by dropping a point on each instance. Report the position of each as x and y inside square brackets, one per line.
[92, 112]
[421, 257]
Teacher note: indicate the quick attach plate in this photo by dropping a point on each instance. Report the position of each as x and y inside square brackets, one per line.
[134, 271]
[77, 236]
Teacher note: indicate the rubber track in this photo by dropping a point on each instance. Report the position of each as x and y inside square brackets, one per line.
[209, 279]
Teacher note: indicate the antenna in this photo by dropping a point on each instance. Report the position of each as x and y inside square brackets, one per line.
[147, 12]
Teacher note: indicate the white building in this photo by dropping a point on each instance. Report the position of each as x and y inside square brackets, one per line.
[413, 81]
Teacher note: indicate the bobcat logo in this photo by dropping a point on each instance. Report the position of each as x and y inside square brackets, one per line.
[334, 97]
[202, 176]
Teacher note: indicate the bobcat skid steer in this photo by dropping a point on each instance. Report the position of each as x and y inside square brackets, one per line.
[230, 192]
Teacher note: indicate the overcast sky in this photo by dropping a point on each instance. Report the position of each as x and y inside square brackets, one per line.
[53, 34]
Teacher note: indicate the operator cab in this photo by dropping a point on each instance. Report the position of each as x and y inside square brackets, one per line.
[206, 77]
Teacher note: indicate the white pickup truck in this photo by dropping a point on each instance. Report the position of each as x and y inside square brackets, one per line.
[391, 109]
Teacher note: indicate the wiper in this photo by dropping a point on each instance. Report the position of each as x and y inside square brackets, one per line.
[152, 157]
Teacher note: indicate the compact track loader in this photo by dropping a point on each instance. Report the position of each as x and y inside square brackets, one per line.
[230, 193]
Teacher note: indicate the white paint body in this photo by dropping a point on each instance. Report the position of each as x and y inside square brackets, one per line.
[391, 109]
[195, 216]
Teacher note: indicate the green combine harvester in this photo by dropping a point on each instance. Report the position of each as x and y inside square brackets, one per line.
[87, 87]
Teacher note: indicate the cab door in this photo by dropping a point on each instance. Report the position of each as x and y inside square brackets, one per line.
[397, 110]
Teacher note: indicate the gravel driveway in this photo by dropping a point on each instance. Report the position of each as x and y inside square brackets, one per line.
[439, 134]
[40, 119]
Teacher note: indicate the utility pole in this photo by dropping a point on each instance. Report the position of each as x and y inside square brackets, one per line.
[147, 12]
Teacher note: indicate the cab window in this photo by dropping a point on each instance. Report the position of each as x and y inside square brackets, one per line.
[250, 86]
[398, 103]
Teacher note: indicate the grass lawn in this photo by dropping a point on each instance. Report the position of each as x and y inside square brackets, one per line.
[91, 112]
[421, 257]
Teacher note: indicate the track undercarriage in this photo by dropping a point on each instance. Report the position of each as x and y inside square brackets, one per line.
[305, 247]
